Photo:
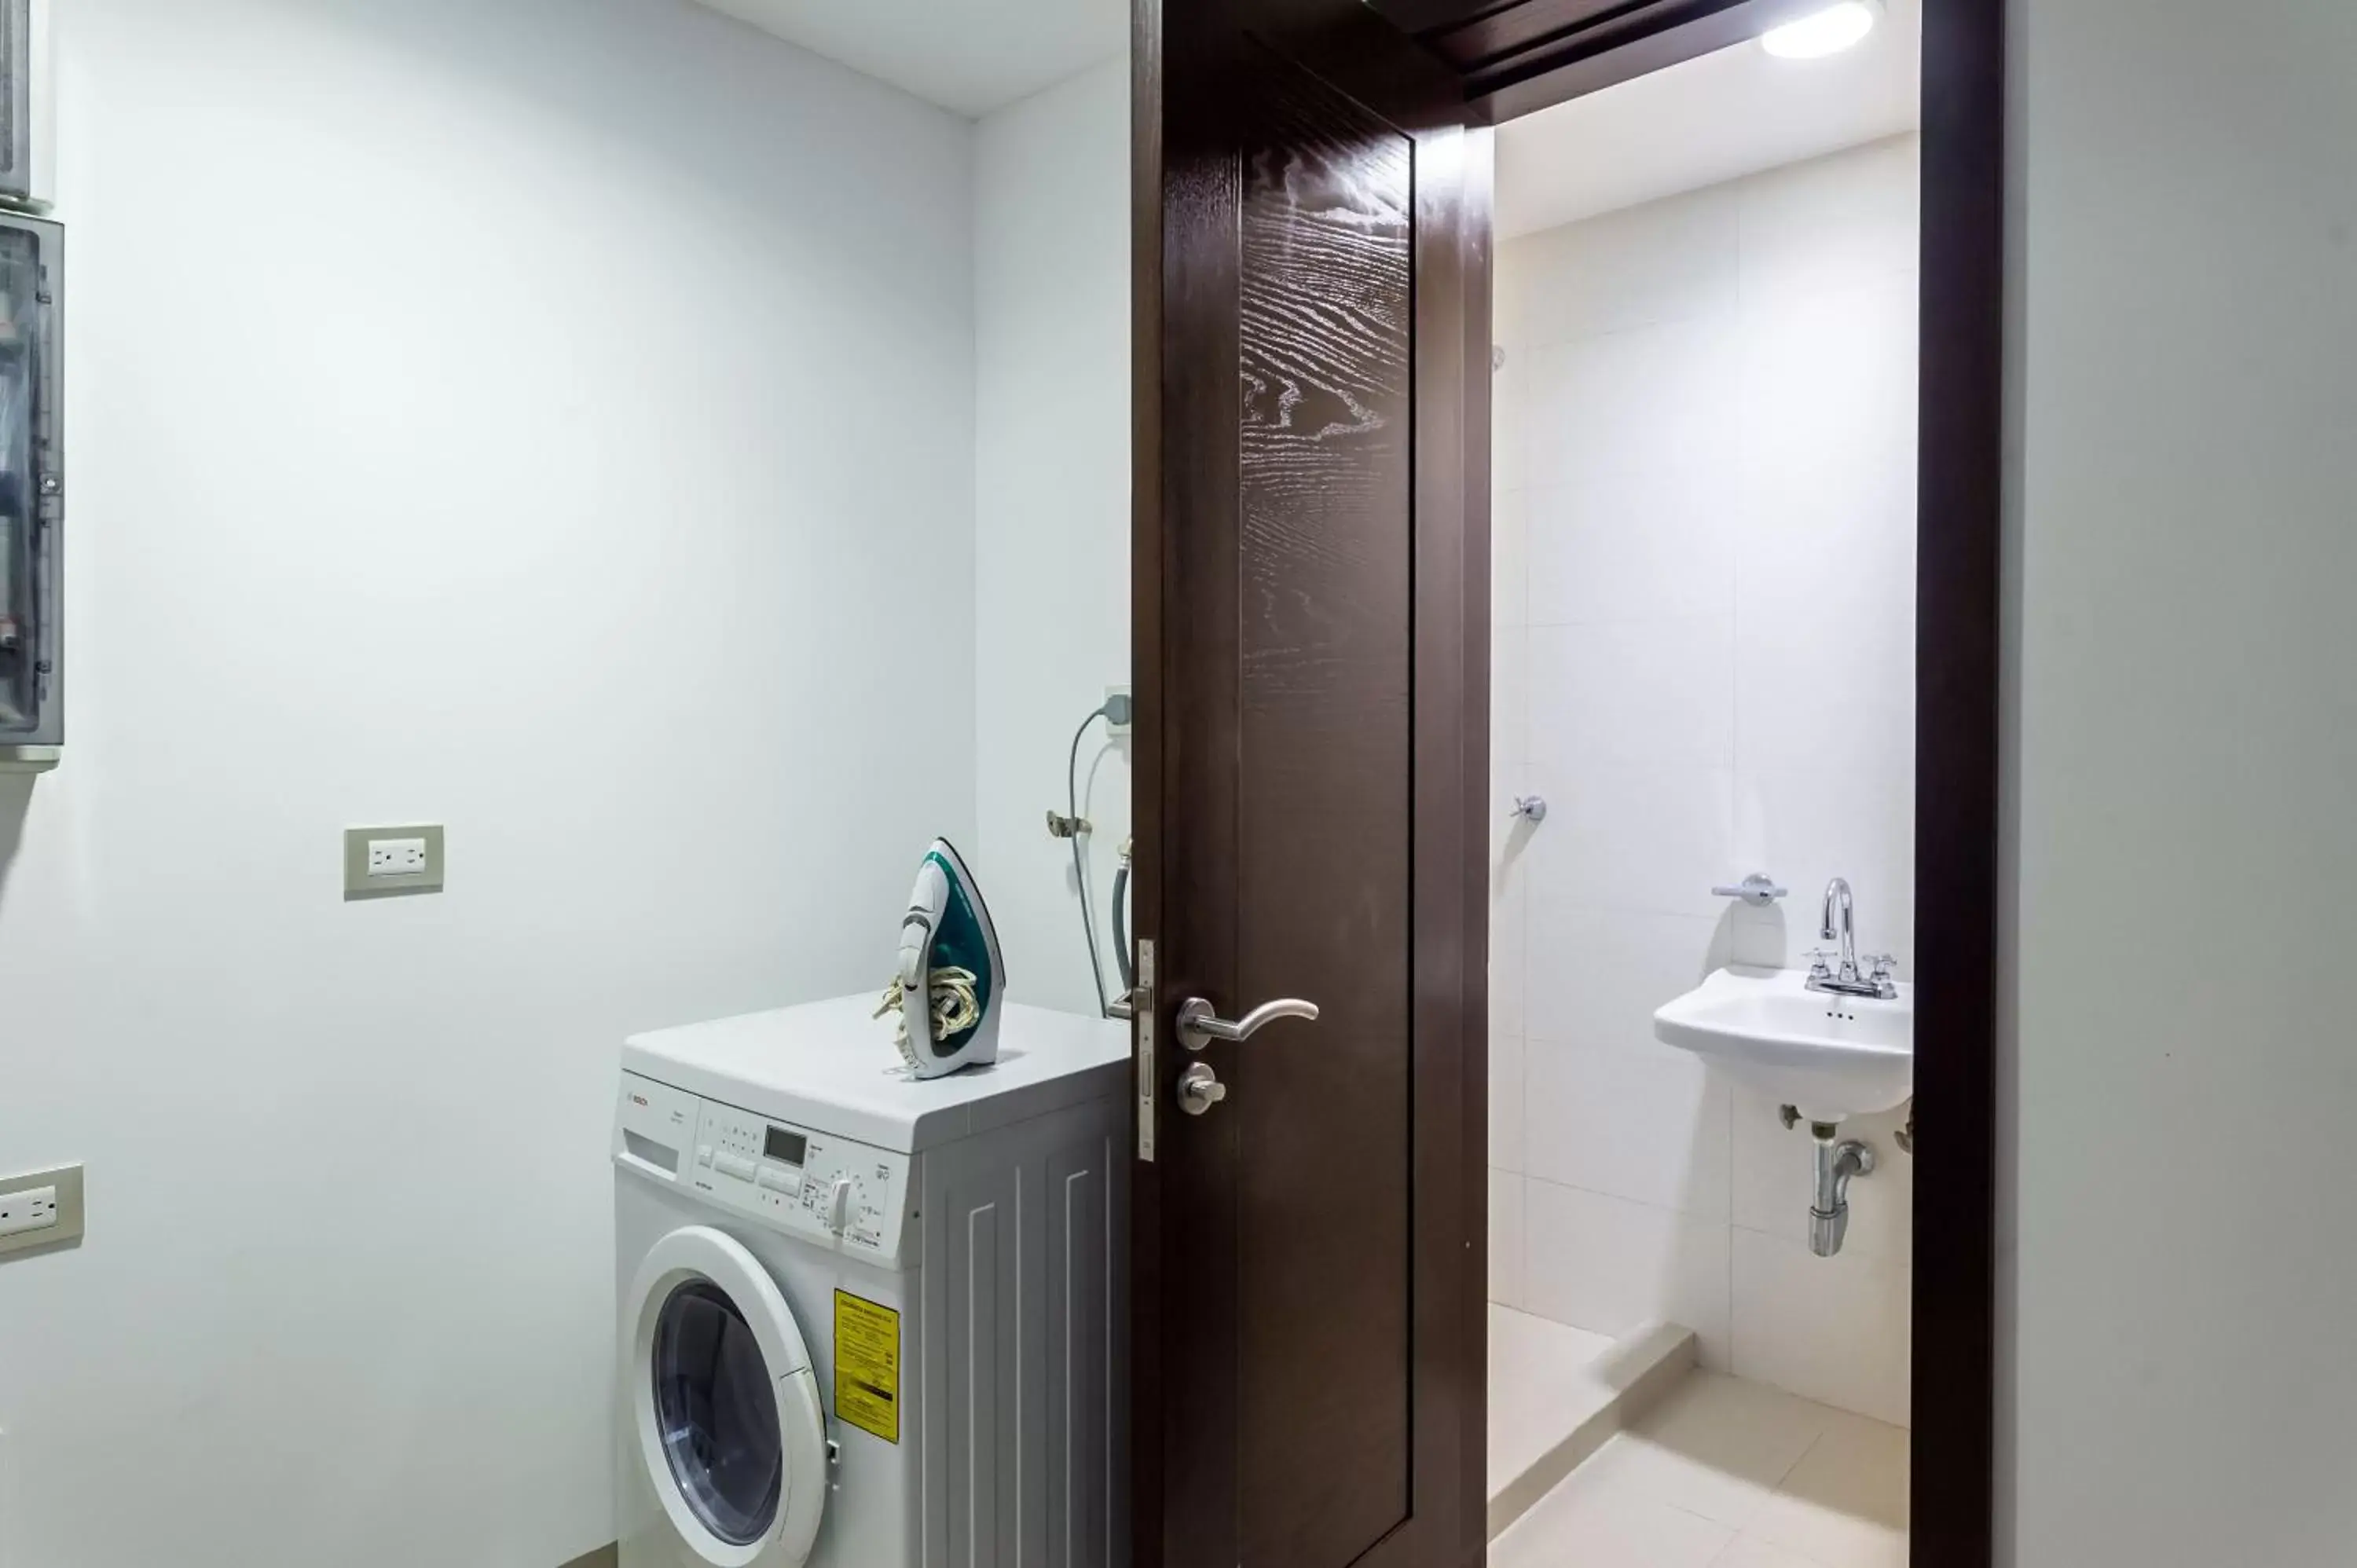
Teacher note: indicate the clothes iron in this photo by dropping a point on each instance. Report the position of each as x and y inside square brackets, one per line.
[952, 983]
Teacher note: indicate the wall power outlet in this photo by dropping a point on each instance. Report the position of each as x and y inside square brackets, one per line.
[35, 1208]
[396, 857]
[384, 862]
[39, 1211]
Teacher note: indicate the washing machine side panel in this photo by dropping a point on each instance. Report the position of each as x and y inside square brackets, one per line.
[1025, 1313]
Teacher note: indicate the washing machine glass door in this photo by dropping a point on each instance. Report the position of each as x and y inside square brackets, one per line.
[724, 1402]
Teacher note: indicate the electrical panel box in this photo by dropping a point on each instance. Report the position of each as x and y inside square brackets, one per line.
[32, 484]
[26, 115]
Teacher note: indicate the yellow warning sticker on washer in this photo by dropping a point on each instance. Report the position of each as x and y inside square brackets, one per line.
[868, 1365]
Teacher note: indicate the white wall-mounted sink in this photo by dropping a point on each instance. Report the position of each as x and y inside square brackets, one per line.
[1833, 1056]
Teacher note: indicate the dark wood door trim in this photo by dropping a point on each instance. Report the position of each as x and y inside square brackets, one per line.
[1959, 521]
[1958, 737]
[1522, 56]
[1478, 241]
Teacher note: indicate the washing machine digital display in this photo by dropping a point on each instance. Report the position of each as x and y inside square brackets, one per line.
[780, 1145]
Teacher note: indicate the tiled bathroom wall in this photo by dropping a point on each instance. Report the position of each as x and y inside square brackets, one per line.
[1705, 524]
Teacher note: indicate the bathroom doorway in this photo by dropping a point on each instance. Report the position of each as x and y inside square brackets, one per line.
[1702, 890]
[1745, 641]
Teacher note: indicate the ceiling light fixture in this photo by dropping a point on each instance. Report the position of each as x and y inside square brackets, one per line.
[1827, 32]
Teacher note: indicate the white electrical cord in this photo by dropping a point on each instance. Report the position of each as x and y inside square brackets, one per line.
[1080, 862]
[954, 1004]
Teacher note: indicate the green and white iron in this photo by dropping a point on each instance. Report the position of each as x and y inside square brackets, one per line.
[952, 983]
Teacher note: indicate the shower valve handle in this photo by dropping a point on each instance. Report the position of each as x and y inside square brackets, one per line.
[1199, 1023]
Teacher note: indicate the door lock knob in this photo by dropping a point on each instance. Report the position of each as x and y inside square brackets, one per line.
[1199, 1088]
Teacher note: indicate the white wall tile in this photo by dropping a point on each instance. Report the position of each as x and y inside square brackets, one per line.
[1828, 384]
[1509, 918]
[1506, 1231]
[1596, 976]
[1705, 453]
[1831, 220]
[1648, 692]
[1612, 1266]
[1506, 1095]
[1510, 575]
[1509, 396]
[1834, 1329]
[1646, 1125]
[1858, 825]
[1633, 544]
[1510, 685]
[1653, 400]
[1825, 596]
[1679, 260]
[1650, 840]
[1775, 1173]
[1508, 983]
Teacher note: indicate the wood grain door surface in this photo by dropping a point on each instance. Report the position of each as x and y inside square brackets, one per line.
[1310, 1272]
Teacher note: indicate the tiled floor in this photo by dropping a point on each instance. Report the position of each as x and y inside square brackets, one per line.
[1726, 1474]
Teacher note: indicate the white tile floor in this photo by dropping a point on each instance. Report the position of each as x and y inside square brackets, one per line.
[1726, 1474]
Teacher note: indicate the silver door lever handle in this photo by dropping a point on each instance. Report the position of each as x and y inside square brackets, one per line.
[1199, 1023]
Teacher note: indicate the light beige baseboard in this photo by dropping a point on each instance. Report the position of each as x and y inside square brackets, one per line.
[604, 1557]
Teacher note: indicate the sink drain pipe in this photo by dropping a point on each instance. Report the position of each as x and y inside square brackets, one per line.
[1836, 1163]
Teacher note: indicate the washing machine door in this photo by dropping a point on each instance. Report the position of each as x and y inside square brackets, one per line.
[724, 1402]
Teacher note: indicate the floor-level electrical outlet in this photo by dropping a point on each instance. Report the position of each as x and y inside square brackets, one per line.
[379, 862]
[40, 1209]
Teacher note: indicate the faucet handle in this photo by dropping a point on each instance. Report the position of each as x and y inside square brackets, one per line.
[1882, 965]
[1820, 962]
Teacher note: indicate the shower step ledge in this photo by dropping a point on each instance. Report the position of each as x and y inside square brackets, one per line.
[1627, 1380]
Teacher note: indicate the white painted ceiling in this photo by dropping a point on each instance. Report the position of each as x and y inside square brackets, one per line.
[1716, 118]
[972, 56]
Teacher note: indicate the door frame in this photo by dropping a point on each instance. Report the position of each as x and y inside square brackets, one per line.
[1960, 466]
[1960, 487]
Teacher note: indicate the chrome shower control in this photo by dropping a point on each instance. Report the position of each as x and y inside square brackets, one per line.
[1199, 1023]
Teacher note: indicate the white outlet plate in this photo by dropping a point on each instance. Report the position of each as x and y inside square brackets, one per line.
[382, 862]
[35, 1209]
[40, 1209]
[395, 857]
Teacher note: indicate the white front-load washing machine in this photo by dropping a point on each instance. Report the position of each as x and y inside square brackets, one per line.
[868, 1321]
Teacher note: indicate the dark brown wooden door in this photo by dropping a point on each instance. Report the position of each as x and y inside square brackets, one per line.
[1311, 567]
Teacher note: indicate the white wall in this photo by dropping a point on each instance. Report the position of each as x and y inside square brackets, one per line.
[552, 419]
[1705, 662]
[2179, 1386]
[1051, 285]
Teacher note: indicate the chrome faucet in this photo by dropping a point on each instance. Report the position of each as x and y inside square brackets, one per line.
[1840, 923]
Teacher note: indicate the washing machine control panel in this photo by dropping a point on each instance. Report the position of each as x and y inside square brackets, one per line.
[810, 1184]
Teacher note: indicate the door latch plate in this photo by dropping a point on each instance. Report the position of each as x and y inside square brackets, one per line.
[1145, 1009]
